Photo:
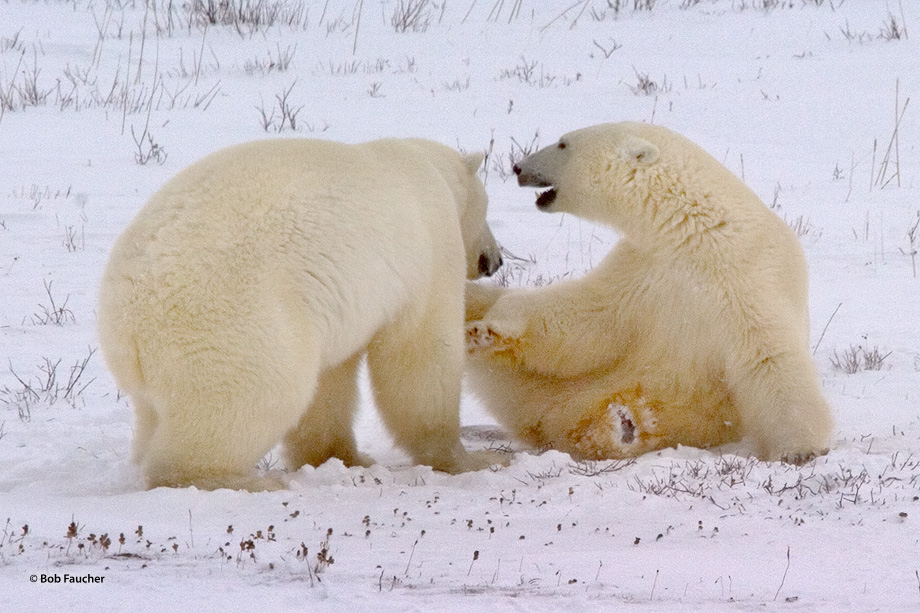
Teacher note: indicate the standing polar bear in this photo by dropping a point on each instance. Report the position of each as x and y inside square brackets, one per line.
[235, 308]
[694, 329]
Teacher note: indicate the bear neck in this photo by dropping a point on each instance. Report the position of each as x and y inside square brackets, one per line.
[670, 209]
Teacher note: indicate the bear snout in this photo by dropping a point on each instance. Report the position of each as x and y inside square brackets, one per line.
[530, 179]
[488, 264]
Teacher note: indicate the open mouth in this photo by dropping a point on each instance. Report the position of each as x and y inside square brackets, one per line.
[544, 199]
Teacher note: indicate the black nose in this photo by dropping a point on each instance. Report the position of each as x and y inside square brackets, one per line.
[483, 264]
[488, 266]
[517, 169]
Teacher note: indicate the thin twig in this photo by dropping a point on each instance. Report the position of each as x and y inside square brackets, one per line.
[561, 15]
[411, 553]
[783, 581]
[820, 338]
[354, 46]
[470, 10]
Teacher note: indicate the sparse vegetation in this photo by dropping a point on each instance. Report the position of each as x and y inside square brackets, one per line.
[245, 16]
[913, 237]
[279, 61]
[504, 165]
[53, 313]
[46, 389]
[147, 149]
[890, 167]
[646, 86]
[457, 85]
[612, 8]
[803, 227]
[24, 90]
[531, 72]
[592, 468]
[414, 15]
[74, 240]
[859, 357]
[893, 28]
[283, 116]
[607, 50]
[12, 42]
[374, 90]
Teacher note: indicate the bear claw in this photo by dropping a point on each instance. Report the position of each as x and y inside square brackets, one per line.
[481, 336]
[631, 426]
[625, 427]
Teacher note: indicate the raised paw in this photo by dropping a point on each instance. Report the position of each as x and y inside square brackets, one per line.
[483, 337]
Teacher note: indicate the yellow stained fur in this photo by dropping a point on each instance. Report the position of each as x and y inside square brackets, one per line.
[702, 305]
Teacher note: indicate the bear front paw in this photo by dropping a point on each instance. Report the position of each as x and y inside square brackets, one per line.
[485, 338]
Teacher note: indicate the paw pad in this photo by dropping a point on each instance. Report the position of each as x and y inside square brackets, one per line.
[623, 425]
[631, 425]
[480, 337]
[484, 337]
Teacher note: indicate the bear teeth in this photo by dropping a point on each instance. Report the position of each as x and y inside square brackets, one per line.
[544, 199]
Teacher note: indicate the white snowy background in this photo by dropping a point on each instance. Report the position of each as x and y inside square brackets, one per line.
[809, 101]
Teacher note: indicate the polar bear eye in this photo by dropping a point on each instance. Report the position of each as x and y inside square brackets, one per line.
[562, 145]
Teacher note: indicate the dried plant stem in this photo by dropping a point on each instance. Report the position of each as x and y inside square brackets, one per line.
[882, 179]
[820, 338]
[411, 554]
[783, 581]
[354, 46]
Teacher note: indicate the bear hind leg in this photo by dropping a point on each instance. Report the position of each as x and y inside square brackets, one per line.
[212, 434]
[326, 429]
[145, 424]
[782, 409]
[206, 455]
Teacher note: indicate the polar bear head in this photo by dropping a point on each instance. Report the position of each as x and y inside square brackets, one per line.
[483, 256]
[641, 179]
[591, 172]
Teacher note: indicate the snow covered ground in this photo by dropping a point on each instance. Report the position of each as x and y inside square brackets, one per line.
[101, 101]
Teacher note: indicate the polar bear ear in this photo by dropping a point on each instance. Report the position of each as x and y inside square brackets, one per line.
[640, 150]
[473, 161]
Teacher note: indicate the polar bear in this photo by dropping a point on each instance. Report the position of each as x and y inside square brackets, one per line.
[236, 307]
[693, 330]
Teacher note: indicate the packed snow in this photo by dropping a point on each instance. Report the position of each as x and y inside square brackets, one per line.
[808, 101]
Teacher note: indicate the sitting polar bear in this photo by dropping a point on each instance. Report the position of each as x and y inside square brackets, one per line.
[694, 329]
[235, 308]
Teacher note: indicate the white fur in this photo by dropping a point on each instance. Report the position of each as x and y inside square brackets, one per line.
[235, 308]
[698, 316]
